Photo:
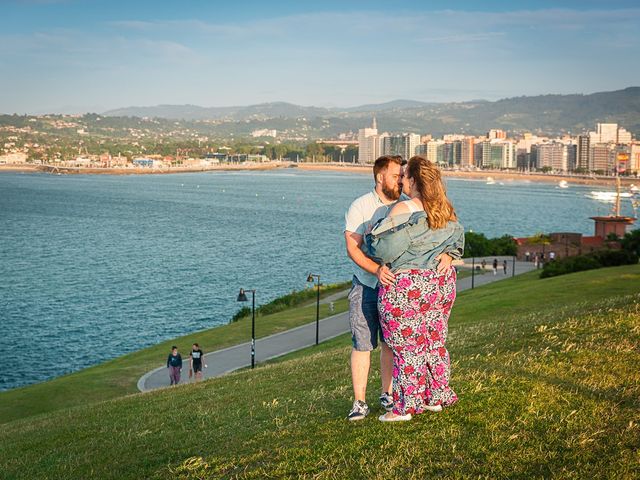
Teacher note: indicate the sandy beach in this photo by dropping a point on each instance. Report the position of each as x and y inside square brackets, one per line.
[480, 175]
[137, 170]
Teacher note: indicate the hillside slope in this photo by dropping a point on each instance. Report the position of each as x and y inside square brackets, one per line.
[546, 371]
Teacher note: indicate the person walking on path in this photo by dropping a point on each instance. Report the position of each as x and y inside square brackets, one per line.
[174, 364]
[484, 264]
[504, 266]
[418, 240]
[195, 358]
[495, 266]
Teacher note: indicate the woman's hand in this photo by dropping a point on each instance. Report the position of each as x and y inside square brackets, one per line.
[444, 263]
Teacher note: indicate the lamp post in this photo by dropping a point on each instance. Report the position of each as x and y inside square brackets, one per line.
[473, 264]
[513, 268]
[310, 279]
[242, 297]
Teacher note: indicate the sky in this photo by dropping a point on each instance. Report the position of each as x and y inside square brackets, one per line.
[90, 55]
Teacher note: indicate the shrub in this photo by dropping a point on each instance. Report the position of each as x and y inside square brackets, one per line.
[289, 300]
[602, 258]
[631, 242]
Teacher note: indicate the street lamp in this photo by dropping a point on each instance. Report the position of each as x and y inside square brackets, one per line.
[242, 297]
[310, 279]
[473, 264]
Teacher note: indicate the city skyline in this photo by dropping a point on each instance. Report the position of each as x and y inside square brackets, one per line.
[79, 56]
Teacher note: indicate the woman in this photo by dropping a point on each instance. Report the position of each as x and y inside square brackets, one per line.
[414, 310]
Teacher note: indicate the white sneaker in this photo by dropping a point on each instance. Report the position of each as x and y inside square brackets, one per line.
[433, 408]
[395, 418]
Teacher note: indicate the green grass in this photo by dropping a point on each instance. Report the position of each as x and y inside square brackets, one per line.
[546, 370]
[119, 377]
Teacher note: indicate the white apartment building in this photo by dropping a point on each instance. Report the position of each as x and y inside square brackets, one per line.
[368, 144]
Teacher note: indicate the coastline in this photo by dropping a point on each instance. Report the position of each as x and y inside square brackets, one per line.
[496, 175]
[349, 168]
[137, 170]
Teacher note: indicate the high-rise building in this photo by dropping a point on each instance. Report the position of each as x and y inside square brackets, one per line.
[552, 155]
[610, 133]
[405, 145]
[602, 157]
[583, 153]
[368, 144]
[634, 158]
[572, 159]
[624, 136]
[466, 152]
[498, 154]
[607, 132]
[435, 151]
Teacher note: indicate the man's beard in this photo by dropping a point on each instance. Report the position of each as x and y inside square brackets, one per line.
[391, 194]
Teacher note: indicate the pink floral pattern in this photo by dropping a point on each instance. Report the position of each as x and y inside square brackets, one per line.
[414, 314]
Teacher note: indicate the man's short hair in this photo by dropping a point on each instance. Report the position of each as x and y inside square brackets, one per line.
[382, 163]
[174, 348]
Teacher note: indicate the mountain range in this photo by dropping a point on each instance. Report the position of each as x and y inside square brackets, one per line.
[543, 114]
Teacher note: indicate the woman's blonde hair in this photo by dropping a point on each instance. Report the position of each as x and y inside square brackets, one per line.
[432, 191]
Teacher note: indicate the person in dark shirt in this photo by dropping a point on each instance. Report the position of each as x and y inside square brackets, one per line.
[504, 266]
[196, 357]
[174, 364]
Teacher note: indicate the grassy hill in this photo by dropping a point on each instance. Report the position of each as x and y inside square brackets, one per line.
[546, 371]
[118, 377]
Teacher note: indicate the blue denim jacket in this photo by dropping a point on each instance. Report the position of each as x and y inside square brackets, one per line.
[406, 241]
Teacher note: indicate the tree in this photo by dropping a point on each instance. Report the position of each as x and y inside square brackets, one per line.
[540, 239]
[631, 242]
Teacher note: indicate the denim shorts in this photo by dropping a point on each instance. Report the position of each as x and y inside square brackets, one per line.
[363, 317]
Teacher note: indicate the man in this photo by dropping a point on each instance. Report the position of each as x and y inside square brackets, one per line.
[363, 213]
[195, 357]
[174, 364]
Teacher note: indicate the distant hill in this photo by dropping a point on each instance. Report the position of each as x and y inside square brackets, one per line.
[545, 114]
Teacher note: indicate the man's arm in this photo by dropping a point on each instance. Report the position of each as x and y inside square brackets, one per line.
[354, 242]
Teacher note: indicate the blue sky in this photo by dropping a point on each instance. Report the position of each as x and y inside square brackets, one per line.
[95, 55]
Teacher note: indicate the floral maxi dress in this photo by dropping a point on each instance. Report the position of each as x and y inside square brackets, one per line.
[414, 314]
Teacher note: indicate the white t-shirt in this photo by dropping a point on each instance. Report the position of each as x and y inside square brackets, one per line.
[363, 213]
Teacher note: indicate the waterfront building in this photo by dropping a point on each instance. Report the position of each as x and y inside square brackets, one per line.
[624, 137]
[610, 133]
[602, 157]
[583, 155]
[467, 152]
[406, 145]
[13, 158]
[634, 158]
[498, 154]
[368, 143]
[552, 155]
[435, 151]
[572, 156]
[452, 152]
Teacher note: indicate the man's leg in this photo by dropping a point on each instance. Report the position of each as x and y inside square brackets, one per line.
[386, 367]
[360, 362]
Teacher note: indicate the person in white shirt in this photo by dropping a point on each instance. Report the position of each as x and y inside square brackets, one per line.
[364, 321]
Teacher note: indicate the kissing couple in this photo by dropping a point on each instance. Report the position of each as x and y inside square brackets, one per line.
[402, 238]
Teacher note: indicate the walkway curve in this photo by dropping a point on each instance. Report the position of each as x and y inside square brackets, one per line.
[227, 360]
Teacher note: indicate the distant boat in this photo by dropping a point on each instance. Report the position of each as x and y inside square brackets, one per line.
[490, 181]
[633, 188]
[608, 196]
[563, 184]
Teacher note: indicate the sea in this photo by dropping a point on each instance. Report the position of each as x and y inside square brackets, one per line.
[96, 266]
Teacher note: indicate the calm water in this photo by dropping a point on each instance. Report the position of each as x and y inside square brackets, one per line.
[92, 267]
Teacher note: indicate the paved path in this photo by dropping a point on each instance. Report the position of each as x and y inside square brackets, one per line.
[233, 358]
